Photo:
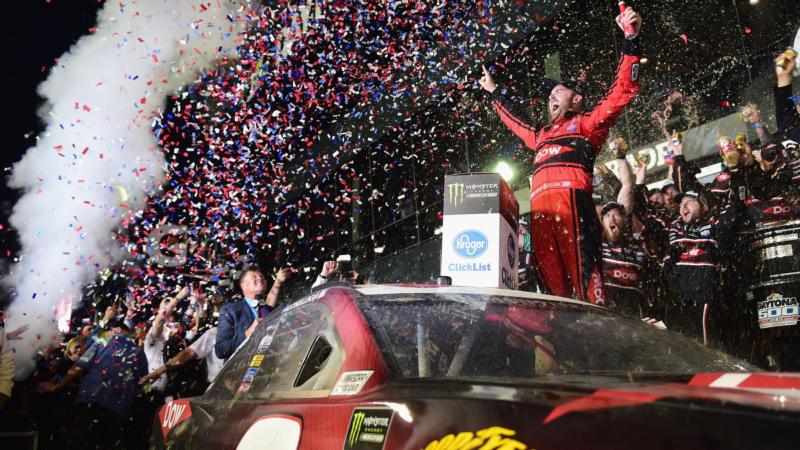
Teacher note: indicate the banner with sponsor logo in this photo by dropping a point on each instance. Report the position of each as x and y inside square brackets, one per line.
[778, 311]
[479, 238]
[480, 193]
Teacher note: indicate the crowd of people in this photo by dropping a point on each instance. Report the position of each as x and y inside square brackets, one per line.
[683, 254]
[673, 254]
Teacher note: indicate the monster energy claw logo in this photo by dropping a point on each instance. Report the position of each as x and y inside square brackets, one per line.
[355, 428]
[455, 194]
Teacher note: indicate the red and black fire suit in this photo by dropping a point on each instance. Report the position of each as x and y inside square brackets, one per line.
[692, 269]
[624, 266]
[565, 230]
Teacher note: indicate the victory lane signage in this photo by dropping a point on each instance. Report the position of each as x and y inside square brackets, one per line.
[479, 231]
[368, 429]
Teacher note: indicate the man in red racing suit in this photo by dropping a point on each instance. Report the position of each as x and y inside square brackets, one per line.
[565, 230]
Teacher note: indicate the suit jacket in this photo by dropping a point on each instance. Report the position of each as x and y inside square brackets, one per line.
[234, 319]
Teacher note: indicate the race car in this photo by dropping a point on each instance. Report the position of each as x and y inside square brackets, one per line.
[434, 368]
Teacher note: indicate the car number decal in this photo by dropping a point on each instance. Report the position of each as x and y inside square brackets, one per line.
[351, 383]
[368, 429]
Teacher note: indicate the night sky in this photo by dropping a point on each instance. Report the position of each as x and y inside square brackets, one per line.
[36, 35]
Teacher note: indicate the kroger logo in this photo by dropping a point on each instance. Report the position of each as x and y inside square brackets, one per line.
[470, 243]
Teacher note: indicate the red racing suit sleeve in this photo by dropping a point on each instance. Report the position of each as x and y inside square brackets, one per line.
[515, 119]
[597, 123]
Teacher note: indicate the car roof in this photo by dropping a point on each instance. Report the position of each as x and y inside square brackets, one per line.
[431, 289]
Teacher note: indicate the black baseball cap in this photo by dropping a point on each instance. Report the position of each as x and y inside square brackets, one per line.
[549, 84]
[668, 185]
[770, 153]
[612, 205]
[693, 194]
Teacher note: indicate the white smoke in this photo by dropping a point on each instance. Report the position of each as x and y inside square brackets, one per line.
[98, 159]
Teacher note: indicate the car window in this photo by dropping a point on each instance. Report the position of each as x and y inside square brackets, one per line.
[315, 360]
[448, 335]
[297, 353]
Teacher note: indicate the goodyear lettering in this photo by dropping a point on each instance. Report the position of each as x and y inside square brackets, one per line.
[492, 438]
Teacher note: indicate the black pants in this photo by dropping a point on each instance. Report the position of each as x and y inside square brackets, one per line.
[626, 301]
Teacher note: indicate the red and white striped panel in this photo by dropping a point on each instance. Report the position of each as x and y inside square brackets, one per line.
[787, 384]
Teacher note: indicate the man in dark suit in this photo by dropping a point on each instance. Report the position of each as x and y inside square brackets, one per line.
[238, 320]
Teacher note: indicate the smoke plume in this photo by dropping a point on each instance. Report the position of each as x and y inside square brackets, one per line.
[98, 160]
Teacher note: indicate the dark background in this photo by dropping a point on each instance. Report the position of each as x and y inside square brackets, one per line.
[36, 34]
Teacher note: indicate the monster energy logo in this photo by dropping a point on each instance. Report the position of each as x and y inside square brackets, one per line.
[368, 429]
[455, 194]
[355, 428]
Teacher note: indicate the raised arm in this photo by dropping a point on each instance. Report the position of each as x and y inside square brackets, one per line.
[514, 117]
[625, 195]
[280, 277]
[784, 105]
[683, 174]
[165, 310]
[626, 85]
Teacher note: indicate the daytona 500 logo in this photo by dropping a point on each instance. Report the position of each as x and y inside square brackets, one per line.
[470, 244]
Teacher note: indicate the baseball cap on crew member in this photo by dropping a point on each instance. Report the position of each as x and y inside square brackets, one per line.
[668, 185]
[612, 205]
[699, 197]
[548, 84]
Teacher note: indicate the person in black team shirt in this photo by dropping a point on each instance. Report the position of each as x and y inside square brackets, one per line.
[692, 262]
[626, 258]
[624, 262]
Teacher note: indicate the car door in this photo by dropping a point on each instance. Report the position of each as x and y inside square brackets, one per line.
[290, 372]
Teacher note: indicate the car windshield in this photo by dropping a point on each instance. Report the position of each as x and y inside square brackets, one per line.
[455, 335]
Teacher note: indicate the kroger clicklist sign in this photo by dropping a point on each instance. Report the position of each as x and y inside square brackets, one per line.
[479, 238]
